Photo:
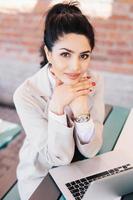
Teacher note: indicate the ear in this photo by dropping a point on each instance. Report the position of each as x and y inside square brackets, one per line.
[48, 54]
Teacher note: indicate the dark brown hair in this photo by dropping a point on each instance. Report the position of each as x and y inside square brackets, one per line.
[64, 18]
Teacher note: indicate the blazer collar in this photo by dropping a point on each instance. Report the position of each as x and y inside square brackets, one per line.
[39, 83]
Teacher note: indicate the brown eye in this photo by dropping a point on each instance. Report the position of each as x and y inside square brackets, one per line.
[84, 56]
[65, 54]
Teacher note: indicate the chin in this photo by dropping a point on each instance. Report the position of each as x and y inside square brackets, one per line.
[70, 82]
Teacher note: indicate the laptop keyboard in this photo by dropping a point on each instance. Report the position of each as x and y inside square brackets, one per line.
[79, 187]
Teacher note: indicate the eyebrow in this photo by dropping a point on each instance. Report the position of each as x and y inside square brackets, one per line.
[88, 51]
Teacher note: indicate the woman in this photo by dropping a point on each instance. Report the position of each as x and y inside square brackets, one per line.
[61, 107]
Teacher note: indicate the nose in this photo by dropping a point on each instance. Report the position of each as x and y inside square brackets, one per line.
[74, 65]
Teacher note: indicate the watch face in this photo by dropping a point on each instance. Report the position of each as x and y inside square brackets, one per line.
[83, 118]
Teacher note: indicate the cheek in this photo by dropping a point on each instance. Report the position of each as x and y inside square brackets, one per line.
[84, 67]
[58, 68]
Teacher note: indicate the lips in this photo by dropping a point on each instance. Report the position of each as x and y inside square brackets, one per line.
[72, 75]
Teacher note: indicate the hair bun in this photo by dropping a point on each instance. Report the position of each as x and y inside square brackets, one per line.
[64, 8]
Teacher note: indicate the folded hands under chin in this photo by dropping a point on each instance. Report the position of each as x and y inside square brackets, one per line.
[76, 96]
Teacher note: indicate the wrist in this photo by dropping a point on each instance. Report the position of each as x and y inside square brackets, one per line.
[80, 112]
[57, 109]
[80, 106]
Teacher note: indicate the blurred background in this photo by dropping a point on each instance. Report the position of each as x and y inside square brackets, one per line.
[21, 28]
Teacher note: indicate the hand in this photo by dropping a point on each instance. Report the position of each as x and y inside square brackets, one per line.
[79, 105]
[64, 94]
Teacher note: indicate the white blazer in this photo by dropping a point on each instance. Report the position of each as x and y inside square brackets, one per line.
[49, 143]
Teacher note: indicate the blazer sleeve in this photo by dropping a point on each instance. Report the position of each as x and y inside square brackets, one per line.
[52, 141]
[97, 112]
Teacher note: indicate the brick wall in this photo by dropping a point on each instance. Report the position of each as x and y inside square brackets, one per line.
[114, 49]
[21, 33]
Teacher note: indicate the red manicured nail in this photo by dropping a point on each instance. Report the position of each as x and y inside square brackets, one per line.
[93, 83]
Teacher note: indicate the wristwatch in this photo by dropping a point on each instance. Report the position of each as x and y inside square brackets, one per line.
[82, 118]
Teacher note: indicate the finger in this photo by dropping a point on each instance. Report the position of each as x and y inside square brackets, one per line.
[85, 75]
[82, 92]
[58, 82]
[84, 86]
[82, 81]
[88, 77]
[85, 78]
[85, 92]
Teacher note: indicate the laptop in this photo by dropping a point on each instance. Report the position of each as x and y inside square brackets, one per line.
[104, 177]
[125, 141]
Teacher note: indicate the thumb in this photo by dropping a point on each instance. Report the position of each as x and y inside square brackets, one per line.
[85, 74]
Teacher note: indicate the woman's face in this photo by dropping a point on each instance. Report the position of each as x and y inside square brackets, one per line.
[70, 57]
